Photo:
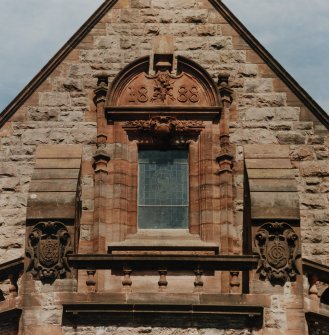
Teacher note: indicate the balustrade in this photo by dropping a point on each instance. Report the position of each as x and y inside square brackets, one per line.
[161, 264]
[11, 271]
[316, 273]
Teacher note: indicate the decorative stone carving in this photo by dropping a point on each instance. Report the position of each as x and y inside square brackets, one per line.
[163, 128]
[278, 247]
[163, 88]
[48, 246]
[186, 87]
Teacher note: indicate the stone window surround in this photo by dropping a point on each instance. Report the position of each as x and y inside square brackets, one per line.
[194, 127]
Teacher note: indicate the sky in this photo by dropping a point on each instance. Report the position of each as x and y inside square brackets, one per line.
[295, 32]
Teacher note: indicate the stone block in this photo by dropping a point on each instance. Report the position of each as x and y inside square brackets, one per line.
[194, 16]
[42, 114]
[314, 169]
[35, 136]
[54, 99]
[263, 99]
[9, 184]
[272, 185]
[165, 16]
[149, 16]
[52, 163]
[108, 42]
[272, 114]
[163, 45]
[313, 201]
[212, 30]
[45, 329]
[129, 16]
[232, 56]
[264, 136]
[266, 151]
[221, 42]
[259, 85]
[247, 70]
[280, 163]
[275, 199]
[291, 138]
[303, 153]
[140, 4]
[70, 151]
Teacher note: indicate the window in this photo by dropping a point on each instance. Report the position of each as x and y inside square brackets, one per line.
[163, 189]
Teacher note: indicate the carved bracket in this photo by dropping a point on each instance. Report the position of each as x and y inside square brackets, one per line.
[163, 129]
[48, 246]
[278, 248]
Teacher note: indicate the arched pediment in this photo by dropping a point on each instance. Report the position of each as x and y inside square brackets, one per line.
[188, 90]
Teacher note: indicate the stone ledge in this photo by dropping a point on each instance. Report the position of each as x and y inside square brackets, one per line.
[197, 298]
[181, 310]
[10, 310]
[164, 240]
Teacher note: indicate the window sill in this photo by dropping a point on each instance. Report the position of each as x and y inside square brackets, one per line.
[164, 241]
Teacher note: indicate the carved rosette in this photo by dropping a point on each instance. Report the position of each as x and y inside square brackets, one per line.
[163, 129]
[48, 246]
[278, 248]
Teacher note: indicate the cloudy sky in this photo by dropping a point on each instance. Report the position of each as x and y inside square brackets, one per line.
[294, 31]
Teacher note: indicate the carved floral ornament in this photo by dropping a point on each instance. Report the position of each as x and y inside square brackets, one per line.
[49, 243]
[278, 247]
[163, 128]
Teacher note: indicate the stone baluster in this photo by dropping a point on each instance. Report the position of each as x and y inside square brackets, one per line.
[198, 282]
[127, 282]
[163, 283]
[13, 291]
[91, 282]
[234, 282]
[313, 290]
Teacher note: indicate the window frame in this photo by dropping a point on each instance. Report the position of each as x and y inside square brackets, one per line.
[187, 206]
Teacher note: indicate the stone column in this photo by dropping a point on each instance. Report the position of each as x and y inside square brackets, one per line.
[225, 174]
[101, 171]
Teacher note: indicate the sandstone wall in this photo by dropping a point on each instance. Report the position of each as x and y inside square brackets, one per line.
[264, 111]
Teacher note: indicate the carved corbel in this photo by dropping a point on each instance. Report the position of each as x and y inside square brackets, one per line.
[48, 245]
[278, 247]
[101, 158]
[101, 89]
[224, 89]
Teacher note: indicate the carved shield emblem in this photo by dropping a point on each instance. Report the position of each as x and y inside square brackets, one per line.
[48, 246]
[277, 245]
[277, 253]
[49, 251]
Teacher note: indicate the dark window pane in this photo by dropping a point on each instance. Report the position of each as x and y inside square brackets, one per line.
[161, 217]
[163, 189]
